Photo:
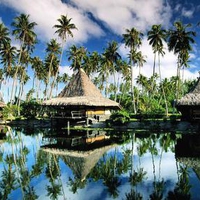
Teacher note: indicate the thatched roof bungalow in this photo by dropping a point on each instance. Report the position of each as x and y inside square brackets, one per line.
[189, 105]
[81, 98]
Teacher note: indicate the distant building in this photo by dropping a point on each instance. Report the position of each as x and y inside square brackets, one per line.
[189, 105]
[81, 99]
[2, 104]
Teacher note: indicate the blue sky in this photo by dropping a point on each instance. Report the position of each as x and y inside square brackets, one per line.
[100, 22]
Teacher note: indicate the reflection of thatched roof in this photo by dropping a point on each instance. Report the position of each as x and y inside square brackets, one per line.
[81, 91]
[192, 98]
[80, 162]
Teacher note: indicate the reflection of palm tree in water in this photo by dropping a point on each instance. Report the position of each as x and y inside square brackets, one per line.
[158, 185]
[136, 176]
[53, 173]
[19, 153]
[182, 189]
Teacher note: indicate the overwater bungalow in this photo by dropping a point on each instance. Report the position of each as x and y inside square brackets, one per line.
[189, 105]
[80, 99]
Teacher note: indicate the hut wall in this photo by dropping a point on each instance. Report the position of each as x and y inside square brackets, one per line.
[99, 113]
[190, 113]
[95, 112]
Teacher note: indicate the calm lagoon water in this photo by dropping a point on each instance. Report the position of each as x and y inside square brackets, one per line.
[92, 165]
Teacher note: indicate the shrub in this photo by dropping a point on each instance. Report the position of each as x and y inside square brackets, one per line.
[120, 117]
[10, 112]
[30, 109]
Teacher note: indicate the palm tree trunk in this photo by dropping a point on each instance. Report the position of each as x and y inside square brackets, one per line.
[106, 89]
[132, 91]
[154, 64]
[48, 78]
[163, 91]
[178, 80]
[15, 75]
[37, 89]
[56, 75]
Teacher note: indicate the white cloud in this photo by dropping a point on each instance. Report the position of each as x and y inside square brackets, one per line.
[177, 7]
[66, 69]
[168, 62]
[46, 12]
[187, 13]
[119, 15]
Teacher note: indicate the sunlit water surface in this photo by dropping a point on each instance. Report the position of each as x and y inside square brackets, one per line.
[49, 164]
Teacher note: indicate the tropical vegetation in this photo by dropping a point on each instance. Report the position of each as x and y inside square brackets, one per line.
[110, 72]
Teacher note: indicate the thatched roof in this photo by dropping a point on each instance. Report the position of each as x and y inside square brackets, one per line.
[80, 162]
[81, 91]
[192, 98]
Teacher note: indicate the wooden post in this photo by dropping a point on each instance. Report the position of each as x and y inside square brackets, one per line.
[68, 127]
[87, 121]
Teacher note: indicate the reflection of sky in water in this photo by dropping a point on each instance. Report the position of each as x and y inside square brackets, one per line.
[165, 168]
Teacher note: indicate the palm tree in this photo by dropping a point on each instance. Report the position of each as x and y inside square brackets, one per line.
[53, 50]
[156, 37]
[64, 29]
[91, 63]
[4, 35]
[39, 73]
[65, 78]
[94, 61]
[132, 39]
[24, 32]
[86, 64]
[98, 82]
[111, 56]
[8, 55]
[25, 59]
[36, 64]
[179, 41]
[125, 71]
[76, 55]
[104, 73]
[140, 60]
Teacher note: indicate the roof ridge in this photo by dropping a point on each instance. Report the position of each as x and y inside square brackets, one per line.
[80, 85]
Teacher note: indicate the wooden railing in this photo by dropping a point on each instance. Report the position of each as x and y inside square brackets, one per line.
[77, 114]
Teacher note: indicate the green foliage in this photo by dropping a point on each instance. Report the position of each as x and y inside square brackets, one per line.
[30, 109]
[120, 117]
[10, 112]
[30, 94]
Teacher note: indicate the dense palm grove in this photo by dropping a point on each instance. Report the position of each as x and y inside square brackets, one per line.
[145, 94]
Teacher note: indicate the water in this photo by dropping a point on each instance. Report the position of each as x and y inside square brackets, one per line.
[51, 164]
